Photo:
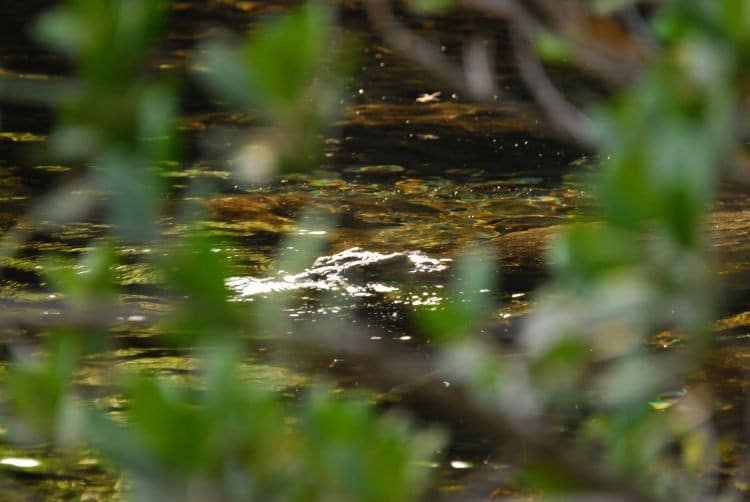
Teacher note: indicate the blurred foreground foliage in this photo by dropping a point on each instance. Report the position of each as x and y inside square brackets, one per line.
[224, 439]
[642, 268]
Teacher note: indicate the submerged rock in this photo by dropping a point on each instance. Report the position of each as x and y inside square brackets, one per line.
[729, 237]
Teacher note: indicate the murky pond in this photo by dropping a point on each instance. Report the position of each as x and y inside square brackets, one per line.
[412, 176]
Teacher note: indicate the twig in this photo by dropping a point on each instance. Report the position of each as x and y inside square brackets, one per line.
[390, 366]
[639, 28]
[569, 118]
[426, 54]
[511, 11]
[60, 315]
[570, 21]
[602, 48]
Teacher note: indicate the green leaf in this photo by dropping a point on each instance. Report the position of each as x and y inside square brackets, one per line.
[552, 48]
[62, 29]
[221, 69]
[585, 252]
[134, 197]
[90, 281]
[548, 478]
[430, 7]
[196, 276]
[468, 300]
[352, 450]
[633, 381]
[38, 389]
[296, 253]
[559, 372]
[106, 38]
[167, 424]
[609, 7]
[158, 109]
[282, 57]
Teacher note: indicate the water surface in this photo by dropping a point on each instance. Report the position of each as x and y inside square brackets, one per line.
[404, 186]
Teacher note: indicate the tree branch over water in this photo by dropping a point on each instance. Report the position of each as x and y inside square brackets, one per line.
[390, 367]
[611, 50]
[558, 109]
[476, 79]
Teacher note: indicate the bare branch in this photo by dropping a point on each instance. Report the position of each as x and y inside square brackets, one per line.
[389, 367]
[639, 28]
[603, 50]
[478, 70]
[510, 10]
[476, 79]
[566, 116]
[60, 315]
[428, 55]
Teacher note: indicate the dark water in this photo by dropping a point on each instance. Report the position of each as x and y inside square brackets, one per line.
[418, 180]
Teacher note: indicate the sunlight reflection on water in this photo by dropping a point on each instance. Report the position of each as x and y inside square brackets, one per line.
[21, 463]
[331, 273]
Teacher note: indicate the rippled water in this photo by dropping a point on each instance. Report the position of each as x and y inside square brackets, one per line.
[406, 183]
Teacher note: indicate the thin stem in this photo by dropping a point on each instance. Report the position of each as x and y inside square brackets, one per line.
[569, 118]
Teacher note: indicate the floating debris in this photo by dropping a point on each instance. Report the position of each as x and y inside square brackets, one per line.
[429, 97]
